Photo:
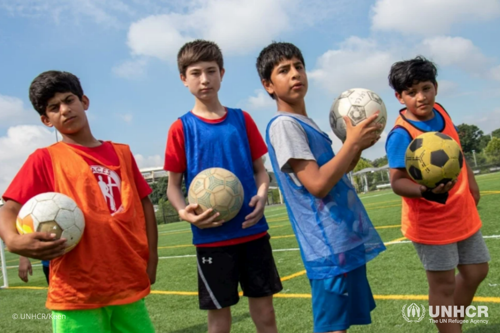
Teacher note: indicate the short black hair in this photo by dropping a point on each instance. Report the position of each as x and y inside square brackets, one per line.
[405, 74]
[47, 84]
[198, 50]
[271, 56]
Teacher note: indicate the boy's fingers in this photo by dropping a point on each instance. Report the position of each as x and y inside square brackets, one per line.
[348, 121]
[204, 215]
[253, 201]
[370, 120]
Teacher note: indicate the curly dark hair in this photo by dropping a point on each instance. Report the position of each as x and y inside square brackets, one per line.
[271, 56]
[47, 84]
[405, 74]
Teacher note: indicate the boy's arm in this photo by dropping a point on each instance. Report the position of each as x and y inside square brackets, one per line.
[152, 234]
[320, 180]
[38, 245]
[187, 213]
[473, 187]
[354, 162]
[259, 200]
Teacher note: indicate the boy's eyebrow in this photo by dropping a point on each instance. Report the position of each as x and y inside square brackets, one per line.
[58, 102]
[283, 66]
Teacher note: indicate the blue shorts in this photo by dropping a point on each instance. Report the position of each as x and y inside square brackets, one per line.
[342, 301]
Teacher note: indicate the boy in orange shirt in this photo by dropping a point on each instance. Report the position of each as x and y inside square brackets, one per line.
[100, 285]
[443, 223]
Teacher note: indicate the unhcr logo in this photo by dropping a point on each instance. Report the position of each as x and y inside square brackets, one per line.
[413, 313]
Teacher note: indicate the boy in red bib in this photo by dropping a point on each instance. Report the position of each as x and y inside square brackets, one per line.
[100, 285]
[443, 223]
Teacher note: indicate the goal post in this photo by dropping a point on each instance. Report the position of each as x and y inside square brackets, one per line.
[4, 281]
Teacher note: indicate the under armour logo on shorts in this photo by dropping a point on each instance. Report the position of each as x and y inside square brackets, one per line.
[205, 260]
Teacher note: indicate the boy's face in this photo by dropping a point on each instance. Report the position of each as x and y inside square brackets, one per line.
[66, 113]
[288, 81]
[203, 79]
[419, 99]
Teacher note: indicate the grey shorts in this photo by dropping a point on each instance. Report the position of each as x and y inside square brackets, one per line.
[472, 250]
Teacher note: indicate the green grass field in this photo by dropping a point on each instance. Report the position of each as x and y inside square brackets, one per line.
[396, 277]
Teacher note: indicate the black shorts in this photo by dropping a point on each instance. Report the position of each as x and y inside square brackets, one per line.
[220, 269]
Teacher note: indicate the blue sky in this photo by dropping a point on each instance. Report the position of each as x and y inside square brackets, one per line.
[124, 53]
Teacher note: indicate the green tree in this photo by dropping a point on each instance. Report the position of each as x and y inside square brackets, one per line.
[492, 150]
[358, 180]
[380, 162]
[159, 190]
[470, 137]
[496, 133]
[363, 163]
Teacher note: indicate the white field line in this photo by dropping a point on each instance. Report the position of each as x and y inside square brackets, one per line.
[297, 249]
[36, 265]
[282, 250]
[376, 195]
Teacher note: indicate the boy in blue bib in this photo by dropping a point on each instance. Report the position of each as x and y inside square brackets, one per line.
[335, 235]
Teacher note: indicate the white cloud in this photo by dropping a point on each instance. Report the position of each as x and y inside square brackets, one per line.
[430, 17]
[455, 51]
[148, 161]
[19, 142]
[126, 117]
[260, 101]
[358, 63]
[446, 87]
[486, 121]
[238, 26]
[12, 111]
[104, 12]
[495, 73]
[131, 69]
[233, 24]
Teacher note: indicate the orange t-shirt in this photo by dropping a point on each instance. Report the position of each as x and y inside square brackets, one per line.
[432, 223]
[108, 266]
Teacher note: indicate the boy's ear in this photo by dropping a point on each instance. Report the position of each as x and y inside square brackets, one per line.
[46, 121]
[268, 85]
[222, 72]
[183, 79]
[399, 97]
[85, 102]
[436, 86]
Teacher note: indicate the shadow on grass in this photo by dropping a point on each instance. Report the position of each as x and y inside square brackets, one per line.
[202, 328]
[484, 329]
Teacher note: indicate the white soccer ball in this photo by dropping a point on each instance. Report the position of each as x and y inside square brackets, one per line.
[54, 213]
[357, 104]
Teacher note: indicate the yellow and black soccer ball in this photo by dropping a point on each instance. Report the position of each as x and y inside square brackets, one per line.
[433, 158]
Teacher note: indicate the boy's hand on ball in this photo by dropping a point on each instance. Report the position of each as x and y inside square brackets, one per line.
[251, 219]
[365, 134]
[38, 245]
[203, 220]
[444, 188]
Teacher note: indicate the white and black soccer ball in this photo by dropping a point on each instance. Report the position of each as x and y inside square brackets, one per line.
[357, 104]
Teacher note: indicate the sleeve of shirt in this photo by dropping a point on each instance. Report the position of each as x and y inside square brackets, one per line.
[397, 143]
[175, 153]
[258, 147]
[36, 176]
[142, 186]
[289, 141]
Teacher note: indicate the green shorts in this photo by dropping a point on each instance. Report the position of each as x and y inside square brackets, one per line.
[133, 317]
